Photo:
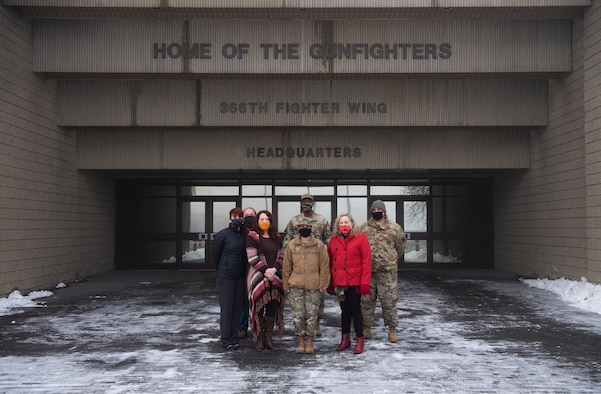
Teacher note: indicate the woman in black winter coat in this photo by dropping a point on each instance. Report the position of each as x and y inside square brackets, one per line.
[229, 255]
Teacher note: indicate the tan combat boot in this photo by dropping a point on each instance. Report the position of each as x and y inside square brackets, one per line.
[300, 344]
[367, 332]
[309, 345]
[392, 337]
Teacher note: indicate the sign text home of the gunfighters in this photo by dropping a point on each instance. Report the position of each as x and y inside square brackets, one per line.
[292, 51]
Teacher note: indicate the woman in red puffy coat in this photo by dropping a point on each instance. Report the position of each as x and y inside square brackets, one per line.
[350, 267]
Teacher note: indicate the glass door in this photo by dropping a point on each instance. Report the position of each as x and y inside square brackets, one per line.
[415, 224]
[202, 218]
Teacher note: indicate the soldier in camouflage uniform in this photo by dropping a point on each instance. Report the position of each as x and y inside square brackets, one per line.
[320, 230]
[305, 275]
[320, 226]
[387, 240]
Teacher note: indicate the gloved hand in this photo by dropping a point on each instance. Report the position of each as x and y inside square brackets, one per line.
[330, 290]
[364, 289]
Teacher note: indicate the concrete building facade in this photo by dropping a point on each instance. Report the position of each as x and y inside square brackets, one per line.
[130, 128]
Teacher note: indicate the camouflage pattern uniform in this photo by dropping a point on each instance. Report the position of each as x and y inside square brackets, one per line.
[387, 243]
[304, 307]
[321, 230]
[305, 274]
[320, 227]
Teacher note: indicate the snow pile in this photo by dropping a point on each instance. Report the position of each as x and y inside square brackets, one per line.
[582, 295]
[15, 300]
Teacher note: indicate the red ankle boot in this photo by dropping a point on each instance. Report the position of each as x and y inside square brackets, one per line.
[345, 343]
[359, 347]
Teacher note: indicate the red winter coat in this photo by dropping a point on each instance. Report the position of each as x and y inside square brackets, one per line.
[350, 260]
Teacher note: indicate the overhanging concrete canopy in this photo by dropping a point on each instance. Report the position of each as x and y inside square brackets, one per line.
[301, 9]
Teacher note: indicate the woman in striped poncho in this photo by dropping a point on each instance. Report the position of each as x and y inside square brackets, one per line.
[264, 249]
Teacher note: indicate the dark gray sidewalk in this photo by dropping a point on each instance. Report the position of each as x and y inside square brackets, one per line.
[157, 331]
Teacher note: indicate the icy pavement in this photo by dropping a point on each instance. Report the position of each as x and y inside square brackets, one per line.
[151, 332]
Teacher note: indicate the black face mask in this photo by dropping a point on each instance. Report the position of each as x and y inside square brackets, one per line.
[237, 223]
[248, 220]
[304, 232]
[377, 215]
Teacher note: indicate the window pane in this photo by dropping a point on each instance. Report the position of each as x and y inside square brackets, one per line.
[159, 190]
[448, 214]
[416, 251]
[286, 211]
[447, 251]
[193, 251]
[416, 216]
[388, 190]
[221, 214]
[400, 190]
[160, 215]
[300, 190]
[352, 190]
[420, 190]
[256, 190]
[193, 217]
[160, 252]
[324, 208]
[356, 206]
[258, 204]
[450, 190]
[210, 190]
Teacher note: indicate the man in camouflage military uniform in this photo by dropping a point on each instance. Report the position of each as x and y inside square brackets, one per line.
[387, 240]
[320, 229]
[320, 226]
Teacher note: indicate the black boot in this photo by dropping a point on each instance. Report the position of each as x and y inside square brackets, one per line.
[260, 343]
[269, 323]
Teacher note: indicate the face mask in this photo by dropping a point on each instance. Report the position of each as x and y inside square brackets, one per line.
[238, 222]
[264, 225]
[304, 232]
[377, 215]
[248, 220]
[345, 229]
[307, 206]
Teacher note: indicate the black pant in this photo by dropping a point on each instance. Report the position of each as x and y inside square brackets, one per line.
[351, 310]
[231, 297]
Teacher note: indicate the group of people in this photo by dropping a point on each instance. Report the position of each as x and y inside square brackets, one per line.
[258, 270]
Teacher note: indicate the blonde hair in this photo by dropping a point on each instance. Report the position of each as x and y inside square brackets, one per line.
[355, 230]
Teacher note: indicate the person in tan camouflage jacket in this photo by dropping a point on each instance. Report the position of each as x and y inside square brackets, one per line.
[306, 275]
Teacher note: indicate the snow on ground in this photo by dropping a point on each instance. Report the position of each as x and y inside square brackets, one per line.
[583, 295]
[169, 344]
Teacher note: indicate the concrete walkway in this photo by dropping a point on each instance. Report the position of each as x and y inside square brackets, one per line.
[157, 331]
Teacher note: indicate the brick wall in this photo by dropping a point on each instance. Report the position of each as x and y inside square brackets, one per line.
[56, 224]
[592, 137]
[540, 214]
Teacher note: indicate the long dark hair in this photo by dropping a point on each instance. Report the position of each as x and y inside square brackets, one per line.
[273, 228]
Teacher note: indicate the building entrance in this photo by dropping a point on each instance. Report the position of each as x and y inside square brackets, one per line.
[170, 224]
